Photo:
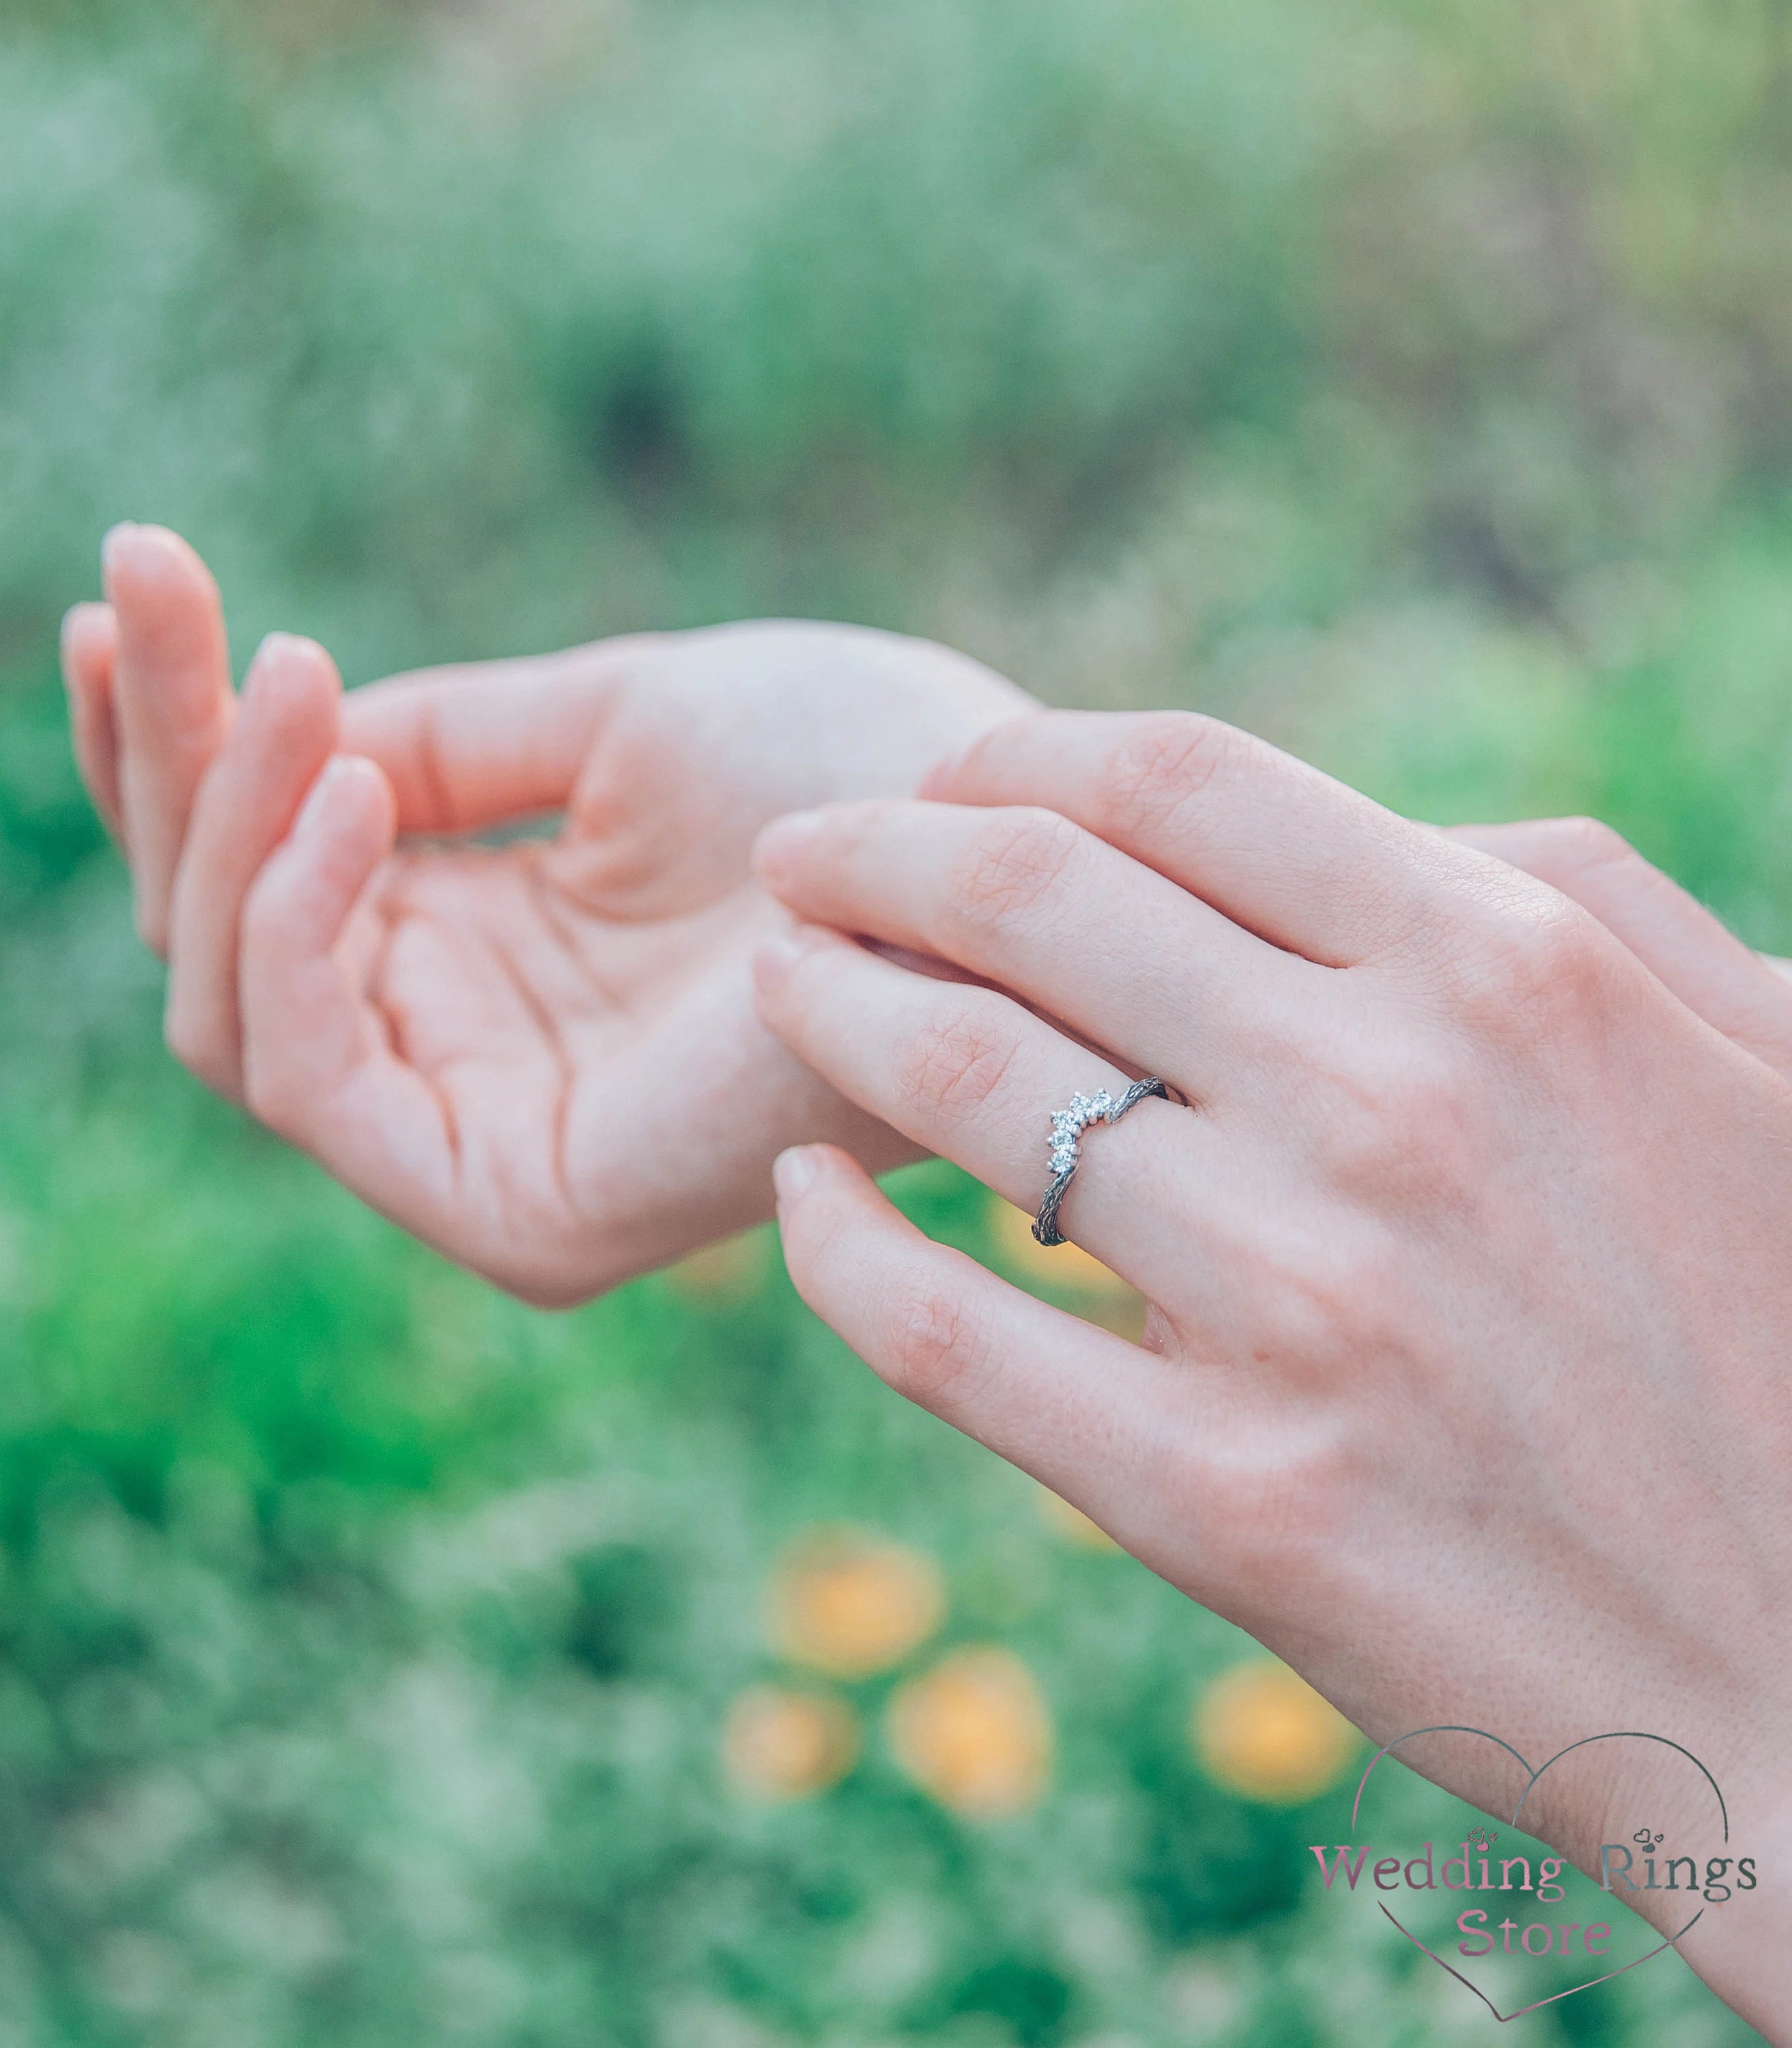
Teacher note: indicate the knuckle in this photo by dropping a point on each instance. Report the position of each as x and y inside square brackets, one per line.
[1170, 758]
[932, 1339]
[432, 766]
[955, 1063]
[1012, 861]
[197, 1050]
[1540, 970]
[1580, 845]
[1327, 1304]
[1272, 1507]
[1403, 1117]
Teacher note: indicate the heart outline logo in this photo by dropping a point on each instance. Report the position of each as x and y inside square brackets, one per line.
[1532, 1776]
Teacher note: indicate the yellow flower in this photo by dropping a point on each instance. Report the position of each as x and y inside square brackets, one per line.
[780, 1744]
[1066, 1266]
[975, 1732]
[1123, 1313]
[728, 1271]
[852, 1604]
[1066, 1269]
[1072, 1523]
[1260, 1730]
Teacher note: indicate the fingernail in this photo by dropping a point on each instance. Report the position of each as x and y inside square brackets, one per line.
[270, 655]
[335, 772]
[74, 615]
[793, 1173]
[782, 843]
[154, 550]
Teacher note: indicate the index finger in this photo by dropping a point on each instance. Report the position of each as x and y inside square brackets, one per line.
[1280, 848]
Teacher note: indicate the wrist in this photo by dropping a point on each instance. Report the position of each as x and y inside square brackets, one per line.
[1741, 1947]
[1716, 1880]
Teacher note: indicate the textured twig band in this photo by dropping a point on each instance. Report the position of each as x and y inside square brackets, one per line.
[1068, 1126]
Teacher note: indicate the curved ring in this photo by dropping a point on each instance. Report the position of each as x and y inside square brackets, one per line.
[1068, 1126]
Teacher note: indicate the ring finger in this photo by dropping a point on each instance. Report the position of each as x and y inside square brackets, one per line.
[244, 809]
[973, 1076]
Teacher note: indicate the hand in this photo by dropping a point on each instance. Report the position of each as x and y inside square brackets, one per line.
[1463, 1387]
[541, 1057]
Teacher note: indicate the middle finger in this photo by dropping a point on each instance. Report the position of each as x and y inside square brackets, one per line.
[1023, 898]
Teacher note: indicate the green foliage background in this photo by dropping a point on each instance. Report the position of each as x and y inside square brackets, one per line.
[1408, 378]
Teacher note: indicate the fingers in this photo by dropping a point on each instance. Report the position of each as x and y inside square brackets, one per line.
[464, 748]
[316, 1067]
[1082, 1410]
[90, 646]
[968, 1073]
[1024, 898]
[1276, 846]
[283, 735]
[173, 699]
[1682, 943]
[303, 1028]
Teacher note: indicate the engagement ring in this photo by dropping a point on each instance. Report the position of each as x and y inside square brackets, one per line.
[1068, 1126]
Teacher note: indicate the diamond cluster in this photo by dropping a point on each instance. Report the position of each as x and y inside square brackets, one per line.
[1068, 1125]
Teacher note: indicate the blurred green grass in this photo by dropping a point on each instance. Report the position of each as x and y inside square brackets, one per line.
[1409, 381]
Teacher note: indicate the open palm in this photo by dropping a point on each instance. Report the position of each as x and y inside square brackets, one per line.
[540, 1056]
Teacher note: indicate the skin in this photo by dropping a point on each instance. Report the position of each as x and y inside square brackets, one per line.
[1463, 1387]
[1434, 1353]
[540, 1057]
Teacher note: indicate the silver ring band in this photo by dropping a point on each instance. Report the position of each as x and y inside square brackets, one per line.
[1068, 1126]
